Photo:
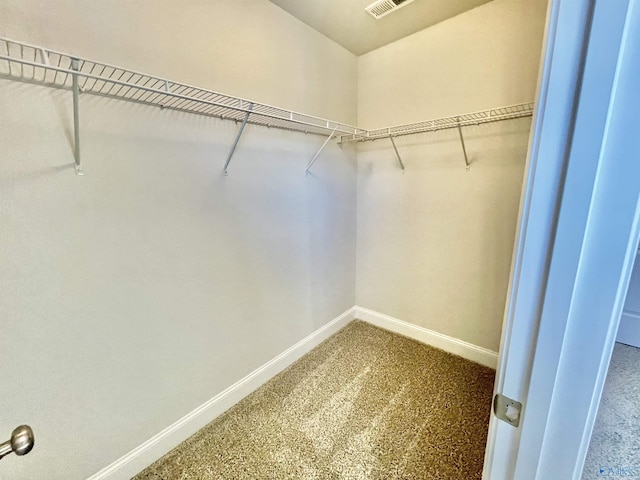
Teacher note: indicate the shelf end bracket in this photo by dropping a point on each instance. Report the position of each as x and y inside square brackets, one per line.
[464, 148]
[76, 116]
[395, 149]
[315, 157]
[235, 143]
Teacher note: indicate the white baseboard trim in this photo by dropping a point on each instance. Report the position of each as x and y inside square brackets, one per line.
[629, 329]
[141, 457]
[480, 355]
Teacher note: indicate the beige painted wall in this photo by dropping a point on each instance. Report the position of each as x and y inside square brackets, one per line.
[484, 58]
[134, 294]
[248, 48]
[435, 242]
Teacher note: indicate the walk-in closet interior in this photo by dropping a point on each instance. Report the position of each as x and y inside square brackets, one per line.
[193, 195]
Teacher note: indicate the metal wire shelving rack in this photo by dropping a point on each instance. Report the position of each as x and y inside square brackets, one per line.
[475, 118]
[33, 64]
[456, 121]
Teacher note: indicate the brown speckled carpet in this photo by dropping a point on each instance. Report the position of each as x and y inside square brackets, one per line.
[365, 404]
[614, 450]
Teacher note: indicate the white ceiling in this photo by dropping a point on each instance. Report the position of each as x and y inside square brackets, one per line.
[347, 23]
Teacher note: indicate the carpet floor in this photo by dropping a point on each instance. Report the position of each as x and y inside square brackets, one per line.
[614, 450]
[365, 404]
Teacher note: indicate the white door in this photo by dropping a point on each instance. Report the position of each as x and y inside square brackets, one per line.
[565, 34]
[577, 240]
[629, 331]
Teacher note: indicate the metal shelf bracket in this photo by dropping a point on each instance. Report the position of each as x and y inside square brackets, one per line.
[235, 143]
[397, 154]
[76, 116]
[464, 148]
[315, 157]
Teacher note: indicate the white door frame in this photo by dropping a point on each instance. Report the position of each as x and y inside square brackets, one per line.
[576, 241]
[552, 123]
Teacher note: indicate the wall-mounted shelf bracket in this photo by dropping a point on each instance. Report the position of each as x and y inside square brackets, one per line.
[464, 148]
[235, 143]
[397, 154]
[315, 157]
[76, 117]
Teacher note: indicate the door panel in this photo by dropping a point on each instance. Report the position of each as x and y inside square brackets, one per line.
[565, 35]
[591, 49]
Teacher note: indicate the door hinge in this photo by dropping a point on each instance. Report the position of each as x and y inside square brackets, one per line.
[507, 409]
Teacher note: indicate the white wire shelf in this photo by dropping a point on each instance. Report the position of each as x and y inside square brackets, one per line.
[455, 121]
[33, 64]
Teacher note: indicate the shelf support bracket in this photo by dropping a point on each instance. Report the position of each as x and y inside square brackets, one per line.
[464, 148]
[395, 149]
[315, 157]
[76, 116]
[235, 143]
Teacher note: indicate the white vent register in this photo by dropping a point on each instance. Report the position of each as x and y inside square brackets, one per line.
[384, 7]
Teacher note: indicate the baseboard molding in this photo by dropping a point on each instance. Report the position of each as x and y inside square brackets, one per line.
[629, 329]
[141, 457]
[464, 349]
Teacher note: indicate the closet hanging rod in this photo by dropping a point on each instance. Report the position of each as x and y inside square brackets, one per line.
[33, 64]
[454, 121]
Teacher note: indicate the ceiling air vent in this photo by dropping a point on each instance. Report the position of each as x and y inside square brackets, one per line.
[384, 7]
